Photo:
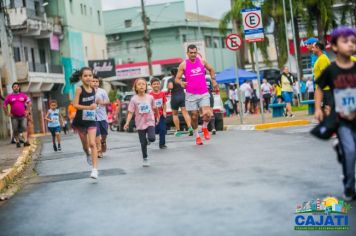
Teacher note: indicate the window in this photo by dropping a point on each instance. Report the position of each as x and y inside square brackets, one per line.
[71, 6]
[81, 8]
[17, 54]
[208, 42]
[128, 23]
[223, 42]
[42, 53]
[99, 18]
[25, 49]
[24, 3]
[216, 42]
[85, 9]
[184, 37]
[37, 8]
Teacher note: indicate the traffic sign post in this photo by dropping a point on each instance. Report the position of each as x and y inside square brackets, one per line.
[254, 32]
[233, 42]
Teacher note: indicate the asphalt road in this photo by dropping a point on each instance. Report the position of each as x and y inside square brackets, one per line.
[239, 183]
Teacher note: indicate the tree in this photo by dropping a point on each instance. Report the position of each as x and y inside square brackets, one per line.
[234, 16]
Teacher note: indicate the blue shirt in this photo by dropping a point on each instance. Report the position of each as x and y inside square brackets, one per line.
[54, 116]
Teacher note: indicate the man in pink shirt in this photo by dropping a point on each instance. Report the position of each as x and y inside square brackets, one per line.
[197, 95]
[19, 107]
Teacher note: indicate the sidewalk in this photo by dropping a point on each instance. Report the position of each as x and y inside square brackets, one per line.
[254, 119]
[8, 154]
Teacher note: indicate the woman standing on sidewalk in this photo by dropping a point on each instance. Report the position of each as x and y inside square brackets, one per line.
[85, 118]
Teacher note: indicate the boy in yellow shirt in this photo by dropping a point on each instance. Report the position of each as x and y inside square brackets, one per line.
[321, 63]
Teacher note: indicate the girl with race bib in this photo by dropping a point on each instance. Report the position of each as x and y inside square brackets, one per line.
[85, 118]
[144, 108]
[55, 120]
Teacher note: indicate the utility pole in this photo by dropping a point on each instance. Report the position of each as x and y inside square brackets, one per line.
[198, 19]
[147, 39]
[286, 29]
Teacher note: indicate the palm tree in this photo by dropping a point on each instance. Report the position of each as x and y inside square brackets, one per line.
[234, 16]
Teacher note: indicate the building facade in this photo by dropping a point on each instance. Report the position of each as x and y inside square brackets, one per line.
[171, 30]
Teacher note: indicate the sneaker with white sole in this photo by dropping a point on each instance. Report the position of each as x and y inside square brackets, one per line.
[94, 174]
[89, 160]
[145, 163]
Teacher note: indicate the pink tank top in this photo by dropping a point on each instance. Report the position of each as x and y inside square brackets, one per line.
[195, 77]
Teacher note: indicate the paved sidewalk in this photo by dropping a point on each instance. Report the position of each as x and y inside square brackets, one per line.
[8, 154]
[253, 119]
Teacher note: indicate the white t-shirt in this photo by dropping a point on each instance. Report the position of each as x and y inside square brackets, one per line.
[236, 95]
[101, 109]
[246, 88]
[266, 88]
[310, 86]
[232, 95]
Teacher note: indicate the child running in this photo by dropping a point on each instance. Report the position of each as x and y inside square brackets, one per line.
[161, 104]
[55, 120]
[84, 121]
[144, 108]
[102, 99]
[340, 76]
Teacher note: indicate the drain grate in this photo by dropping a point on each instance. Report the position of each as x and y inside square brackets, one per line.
[75, 176]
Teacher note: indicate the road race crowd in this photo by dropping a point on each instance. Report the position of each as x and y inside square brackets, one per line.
[333, 87]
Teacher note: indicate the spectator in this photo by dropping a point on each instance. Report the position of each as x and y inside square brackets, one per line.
[310, 88]
[20, 107]
[266, 90]
[232, 98]
[287, 90]
[247, 90]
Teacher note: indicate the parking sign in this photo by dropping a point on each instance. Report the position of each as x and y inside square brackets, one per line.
[253, 27]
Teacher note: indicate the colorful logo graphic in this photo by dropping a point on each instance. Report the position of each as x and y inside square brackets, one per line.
[327, 214]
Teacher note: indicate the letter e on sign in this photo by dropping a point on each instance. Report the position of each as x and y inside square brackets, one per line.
[233, 42]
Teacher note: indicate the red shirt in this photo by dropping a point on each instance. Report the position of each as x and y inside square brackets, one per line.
[160, 100]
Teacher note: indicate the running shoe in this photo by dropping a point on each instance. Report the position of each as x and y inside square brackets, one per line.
[191, 131]
[178, 134]
[213, 131]
[291, 115]
[145, 163]
[27, 144]
[59, 147]
[206, 133]
[94, 174]
[100, 156]
[199, 141]
[55, 147]
[163, 146]
[18, 145]
[89, 160]
[349, 195]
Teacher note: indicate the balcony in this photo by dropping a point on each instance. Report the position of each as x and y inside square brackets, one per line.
[28, 22]
[38, 77]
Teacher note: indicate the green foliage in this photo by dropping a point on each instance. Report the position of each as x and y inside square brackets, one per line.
[112, 95]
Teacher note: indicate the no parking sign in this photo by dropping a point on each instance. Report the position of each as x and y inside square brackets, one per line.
[253, 27]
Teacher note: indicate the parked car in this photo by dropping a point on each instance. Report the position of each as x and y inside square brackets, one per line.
[126, 98]
[218, 108]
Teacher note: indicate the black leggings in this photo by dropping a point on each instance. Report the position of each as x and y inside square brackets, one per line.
[145, 134]
[267, 99]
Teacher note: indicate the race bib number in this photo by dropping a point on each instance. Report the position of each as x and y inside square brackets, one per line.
[144, 108]
[159, 102]
[55, 118]
[345, 100]
[89, 115]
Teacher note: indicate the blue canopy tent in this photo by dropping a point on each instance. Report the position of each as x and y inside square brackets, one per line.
[228, 76]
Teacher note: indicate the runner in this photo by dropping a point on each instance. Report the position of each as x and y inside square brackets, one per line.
[178, 101]
[144, 108]
[55, 120]
[20, 106]
[102, 100]
[340, 77]
[321, 63]
[212, 118]
[161, 104]
[84, 121]
[197, 94]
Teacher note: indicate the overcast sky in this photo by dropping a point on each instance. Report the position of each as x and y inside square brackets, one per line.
[213, 8]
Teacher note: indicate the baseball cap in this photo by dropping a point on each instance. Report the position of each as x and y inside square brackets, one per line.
[311, 40]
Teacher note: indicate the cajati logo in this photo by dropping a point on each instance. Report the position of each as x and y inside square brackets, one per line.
[327, 214]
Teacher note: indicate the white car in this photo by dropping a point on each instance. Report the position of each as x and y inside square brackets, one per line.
[218, 108]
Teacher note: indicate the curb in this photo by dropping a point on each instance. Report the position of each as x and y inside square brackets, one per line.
[10, 174]
[269, 125]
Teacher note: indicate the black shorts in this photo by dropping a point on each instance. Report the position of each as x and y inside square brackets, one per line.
[328, 99]
[177, 102]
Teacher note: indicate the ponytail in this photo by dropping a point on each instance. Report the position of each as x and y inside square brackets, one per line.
[76, 76]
